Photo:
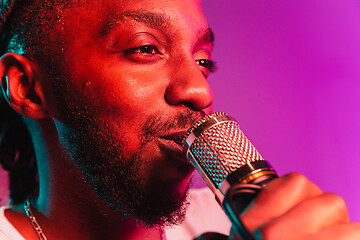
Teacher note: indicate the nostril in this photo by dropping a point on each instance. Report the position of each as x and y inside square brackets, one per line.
[196, 97]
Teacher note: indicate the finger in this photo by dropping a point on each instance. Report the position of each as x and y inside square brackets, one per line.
[277, 198]
[347, 231]
[309, 217]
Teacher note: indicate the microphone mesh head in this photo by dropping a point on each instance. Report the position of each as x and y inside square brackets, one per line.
[220, 147]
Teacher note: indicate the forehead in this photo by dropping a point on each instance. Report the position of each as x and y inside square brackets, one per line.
[103, 15]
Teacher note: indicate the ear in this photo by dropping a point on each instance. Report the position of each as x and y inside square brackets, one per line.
[21, 84]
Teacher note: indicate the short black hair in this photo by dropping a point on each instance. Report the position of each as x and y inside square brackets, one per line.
[17, 154]
[24, 29]
[16, 149]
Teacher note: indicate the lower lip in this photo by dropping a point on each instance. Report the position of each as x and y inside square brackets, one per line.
[173, 148]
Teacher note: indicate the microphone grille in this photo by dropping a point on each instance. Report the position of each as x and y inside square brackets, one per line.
[219, 146]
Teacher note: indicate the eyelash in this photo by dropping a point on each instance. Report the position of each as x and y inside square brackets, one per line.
[143, 50]
[206, 63]
[209, 64]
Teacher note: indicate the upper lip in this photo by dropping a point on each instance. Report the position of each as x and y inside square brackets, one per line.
[177, 137]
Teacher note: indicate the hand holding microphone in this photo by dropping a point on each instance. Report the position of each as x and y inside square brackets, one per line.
[290, 207]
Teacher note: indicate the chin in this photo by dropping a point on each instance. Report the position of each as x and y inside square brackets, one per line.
[166, 207]
[165, 195]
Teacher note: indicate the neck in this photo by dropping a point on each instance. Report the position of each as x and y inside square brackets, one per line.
[67, 208]
[73, 205]
[81, 216]
[113, 230]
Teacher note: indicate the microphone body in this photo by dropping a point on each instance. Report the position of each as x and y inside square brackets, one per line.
[229, 164]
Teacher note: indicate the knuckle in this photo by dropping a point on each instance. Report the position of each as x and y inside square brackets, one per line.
[297, 180]
[294, 185]
[337, 202]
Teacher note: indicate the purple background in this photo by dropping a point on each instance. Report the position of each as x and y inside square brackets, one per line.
[288, 71]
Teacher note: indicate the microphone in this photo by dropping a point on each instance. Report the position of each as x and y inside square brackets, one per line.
[229, 164]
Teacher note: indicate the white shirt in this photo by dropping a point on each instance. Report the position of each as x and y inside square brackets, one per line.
[204, 215]
[7, 231]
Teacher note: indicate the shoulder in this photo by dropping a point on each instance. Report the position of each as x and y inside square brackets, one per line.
[204, 215]
[7, 230]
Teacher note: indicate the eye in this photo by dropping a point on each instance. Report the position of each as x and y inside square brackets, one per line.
[146, 50]
[209, 64]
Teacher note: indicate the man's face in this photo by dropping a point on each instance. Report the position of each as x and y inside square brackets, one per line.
[133, 79]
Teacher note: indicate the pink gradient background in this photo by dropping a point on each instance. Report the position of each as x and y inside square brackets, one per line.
[289, 72]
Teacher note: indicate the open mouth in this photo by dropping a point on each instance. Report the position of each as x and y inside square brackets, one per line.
[175, 137]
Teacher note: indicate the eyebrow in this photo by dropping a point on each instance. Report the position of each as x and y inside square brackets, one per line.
[149, 18]
[207, 36]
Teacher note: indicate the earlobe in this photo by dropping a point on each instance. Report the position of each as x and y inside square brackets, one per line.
[21, 85]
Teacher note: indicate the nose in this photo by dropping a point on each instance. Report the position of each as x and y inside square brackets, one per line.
[188, 86]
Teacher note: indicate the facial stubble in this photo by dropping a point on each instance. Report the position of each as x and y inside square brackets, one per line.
[98, 149]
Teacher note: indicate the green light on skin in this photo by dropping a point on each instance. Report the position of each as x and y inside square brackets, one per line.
[15, 45]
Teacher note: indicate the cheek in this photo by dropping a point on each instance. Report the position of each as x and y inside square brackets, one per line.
[116, 86]
[130, 91]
